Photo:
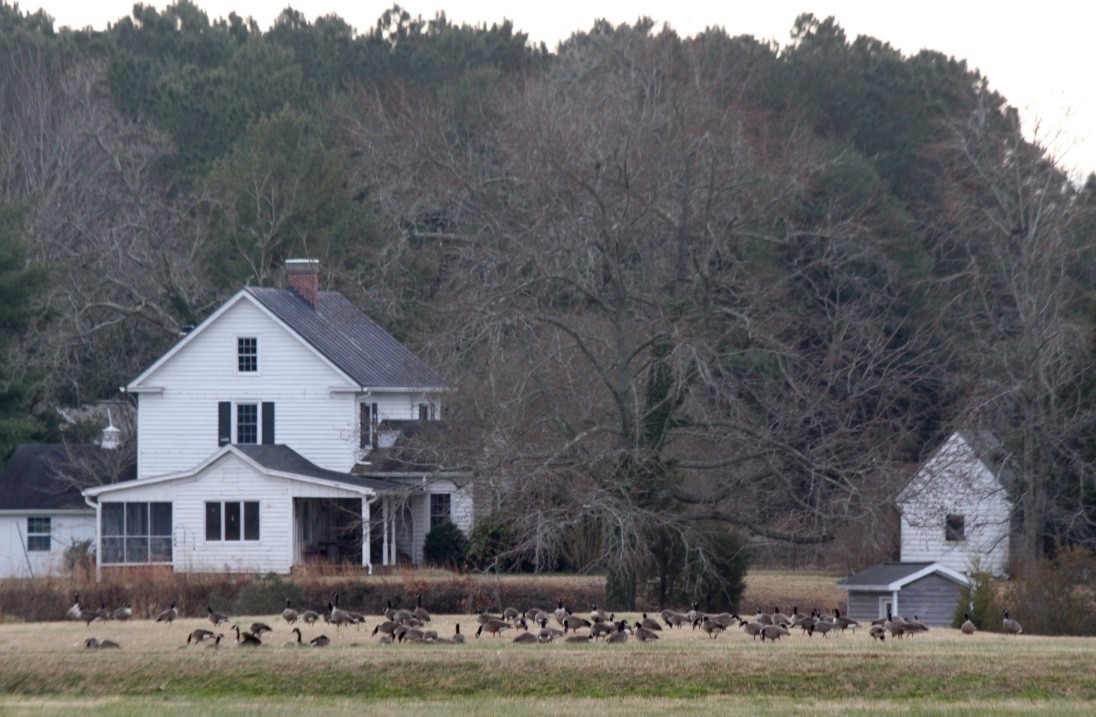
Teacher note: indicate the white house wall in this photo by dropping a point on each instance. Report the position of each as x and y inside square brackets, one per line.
[178, 427]
[231, 480]
[65, 531]
[953, 481]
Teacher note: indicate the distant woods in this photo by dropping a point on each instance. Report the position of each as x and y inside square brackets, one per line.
[679, 284]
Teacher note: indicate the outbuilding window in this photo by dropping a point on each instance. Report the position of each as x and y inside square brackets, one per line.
[955, 528]
[38, 534]
[440, 507]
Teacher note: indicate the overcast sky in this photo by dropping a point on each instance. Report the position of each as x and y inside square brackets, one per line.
[1041, 59]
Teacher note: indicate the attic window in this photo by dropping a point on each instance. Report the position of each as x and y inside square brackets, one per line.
[955, 528]
[247, 355]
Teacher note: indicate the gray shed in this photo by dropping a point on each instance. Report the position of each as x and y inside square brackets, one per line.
[928, 590]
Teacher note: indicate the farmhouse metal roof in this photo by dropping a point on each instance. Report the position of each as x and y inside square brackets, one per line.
[48, 476]
[348, 338]
[283, 459]
[890, 576]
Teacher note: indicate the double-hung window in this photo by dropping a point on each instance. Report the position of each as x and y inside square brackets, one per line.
[38, 533]
[440, 506]
[245, 422]
[247, 355]
[232, 520]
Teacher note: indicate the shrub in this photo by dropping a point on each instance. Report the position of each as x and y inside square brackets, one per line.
[979, 601]
[1059, 598]
[445, 547]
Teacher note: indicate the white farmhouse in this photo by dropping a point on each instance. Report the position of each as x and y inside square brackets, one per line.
[259, 436]
[956, 510]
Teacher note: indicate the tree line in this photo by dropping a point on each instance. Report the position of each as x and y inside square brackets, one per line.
[686, 288]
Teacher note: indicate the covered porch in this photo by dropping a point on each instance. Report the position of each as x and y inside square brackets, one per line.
[331, 530]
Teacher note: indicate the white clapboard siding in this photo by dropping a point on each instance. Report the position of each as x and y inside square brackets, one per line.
[955, 481]
[65, 531]
[228, 480]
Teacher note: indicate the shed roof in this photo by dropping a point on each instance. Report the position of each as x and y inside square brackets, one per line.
[48, 476]
[348, 338]
[891, 576]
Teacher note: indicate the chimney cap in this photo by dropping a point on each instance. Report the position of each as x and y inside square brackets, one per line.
[302, 264]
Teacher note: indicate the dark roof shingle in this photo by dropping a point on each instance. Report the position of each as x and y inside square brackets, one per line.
[348, 338]
[45, 476]
[283, 459]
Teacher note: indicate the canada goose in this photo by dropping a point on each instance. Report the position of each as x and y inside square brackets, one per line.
[1010, 626]
[675, 619]
[457, 636]
[763, 617]
[620, 636]
[387, 627]
[409, 634]
[878, 632]
[822, 627]
[643, 634]
[597, 615]
[246, 639]
[420, 612]
[511, 614]
[337, 616]
[600, 629]
[94, 644]
[320, 641]
[915, 625]
[753, 629]
[402, 615]
[694, 612]
[199, 635]
[258, 628]
[216, 617]
[712, 627]
[103, 613]
[561, 612]
[844, 623]
[967, 628]
[526, 638]
[74, 611]
[547, 634]
[310, 616]
[574, 622]
[389, 611]
[88, 616]
[493, 626]
[773, 632]
[578, 638]
[534, 615]
[650, 623]
[297, 642]
[216, 644]
[168, 615]
[289, 614]
[123, 613]
[780, 618]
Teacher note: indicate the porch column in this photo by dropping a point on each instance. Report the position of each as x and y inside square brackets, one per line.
[384, 532]
[367, 534]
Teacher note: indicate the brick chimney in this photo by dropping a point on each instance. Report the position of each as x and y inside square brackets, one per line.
[303, 276]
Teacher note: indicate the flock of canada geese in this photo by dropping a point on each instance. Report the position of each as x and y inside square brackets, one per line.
[534, 626]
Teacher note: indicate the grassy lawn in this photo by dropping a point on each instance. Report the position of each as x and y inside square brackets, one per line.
[45, 669]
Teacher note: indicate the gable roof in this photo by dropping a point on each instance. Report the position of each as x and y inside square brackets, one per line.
[278, 460]
[348, 338]
[35, 477]
[891, 576]
[989, 449]
[336, 330]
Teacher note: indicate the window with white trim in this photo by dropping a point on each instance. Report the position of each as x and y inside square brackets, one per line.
[247, 423]
[232, 520]
[38, 534]
[247, 354]
[136, 532]
[440, 509]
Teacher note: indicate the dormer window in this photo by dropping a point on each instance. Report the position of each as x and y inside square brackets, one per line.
[247, 355]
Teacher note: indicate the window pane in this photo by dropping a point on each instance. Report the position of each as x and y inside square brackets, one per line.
[159, 518]
[113, 550]
[136, 518]
[38, 542]
[251, 520]
[439, 508]
[213, 521]
[232, 521]
[247, 353]
[38, 525]
[159, 550]
[247, 423]
[114, 518]
[136, 550]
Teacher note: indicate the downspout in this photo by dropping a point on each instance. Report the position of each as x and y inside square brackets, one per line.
[367, 532]
[894, 603]
[98, 537]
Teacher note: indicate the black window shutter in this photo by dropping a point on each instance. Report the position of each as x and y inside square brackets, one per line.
[224, 423]
[268, 422]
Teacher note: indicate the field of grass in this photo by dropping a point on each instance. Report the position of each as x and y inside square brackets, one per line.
[44, 669]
